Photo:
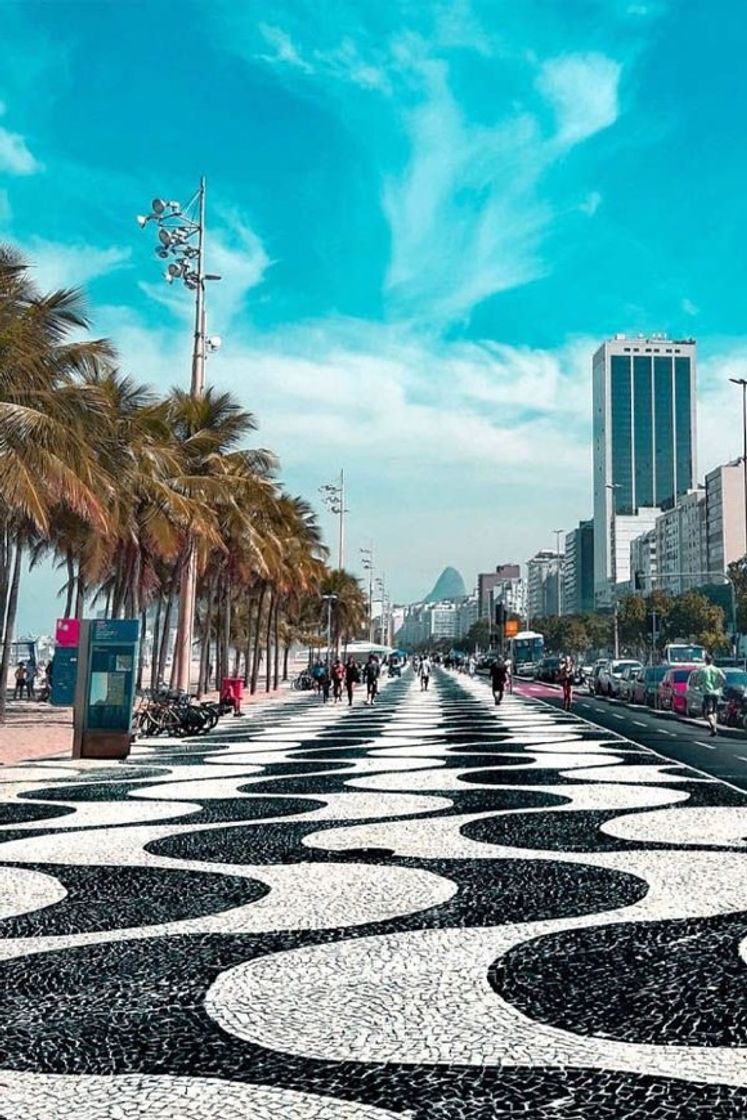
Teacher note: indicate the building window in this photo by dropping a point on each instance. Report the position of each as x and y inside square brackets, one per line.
[663, 431]
[622, 452]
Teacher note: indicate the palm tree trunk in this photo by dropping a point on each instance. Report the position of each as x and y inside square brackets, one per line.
[257, 633]
[268, 640]
[163, 652]
[10, 624]
[206, 638]
[6, 559]
[70, 585]
[108, 602]
[226, 633]
[79, 594]
[248, 648]
[276, 645]
[155, 648]
[286, 655]
[141, 650]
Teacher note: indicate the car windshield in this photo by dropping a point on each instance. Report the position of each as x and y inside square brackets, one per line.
[619, 666]
[685, 653]
[681, 675]
[736, 676]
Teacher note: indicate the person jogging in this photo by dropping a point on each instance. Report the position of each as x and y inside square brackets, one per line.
[425, 674]
[371, 673]
[498, 675]
[565, 676]
[711, 679]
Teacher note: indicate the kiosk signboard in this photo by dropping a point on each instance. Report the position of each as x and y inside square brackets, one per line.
[107, 670]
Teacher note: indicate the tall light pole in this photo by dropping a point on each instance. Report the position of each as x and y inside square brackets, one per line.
[181, 242]
[613, 487]
[743, 382]
[367, 563]
[558, 534]
[333, 497]
[329, 600]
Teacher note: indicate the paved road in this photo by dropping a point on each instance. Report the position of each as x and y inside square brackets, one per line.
[432, 909]
[687, 741]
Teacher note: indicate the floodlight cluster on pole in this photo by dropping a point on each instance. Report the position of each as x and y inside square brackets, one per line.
[333, 498]
[367, 563]
[180, 241]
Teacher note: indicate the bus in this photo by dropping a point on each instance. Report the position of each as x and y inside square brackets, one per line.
[683, 653]
[526, 649]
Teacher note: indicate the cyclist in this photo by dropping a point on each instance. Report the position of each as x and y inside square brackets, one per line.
[711, 679]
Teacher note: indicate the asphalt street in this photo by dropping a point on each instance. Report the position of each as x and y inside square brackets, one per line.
[687, 741]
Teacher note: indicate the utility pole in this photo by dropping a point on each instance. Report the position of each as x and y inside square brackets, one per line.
[613, 487]
[181, 237]
[333, 497]
[558, 534]
[367, 563]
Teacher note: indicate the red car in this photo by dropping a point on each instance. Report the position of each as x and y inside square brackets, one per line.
[671, 693]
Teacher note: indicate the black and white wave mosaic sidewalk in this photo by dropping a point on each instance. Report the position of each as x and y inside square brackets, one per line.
[429, 909]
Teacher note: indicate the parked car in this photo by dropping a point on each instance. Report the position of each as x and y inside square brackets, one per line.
[608, 680]
[732, 707]
[593, 676]
[672, 692]
[626, 683]
[646, 685]
[548, 669]
[735, 686]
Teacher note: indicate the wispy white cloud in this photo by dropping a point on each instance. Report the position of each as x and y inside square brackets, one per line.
[15, 156]
[583, 92]
[591, 203]
[343, 61]
[465, 216]
[689, 307]
[59, 265]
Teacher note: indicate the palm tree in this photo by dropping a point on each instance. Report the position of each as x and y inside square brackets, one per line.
[349, 607]
[47, 464]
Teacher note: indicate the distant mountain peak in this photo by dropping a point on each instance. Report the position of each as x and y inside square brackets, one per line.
[449, 585]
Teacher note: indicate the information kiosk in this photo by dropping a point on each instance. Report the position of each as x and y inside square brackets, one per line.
[105, 687]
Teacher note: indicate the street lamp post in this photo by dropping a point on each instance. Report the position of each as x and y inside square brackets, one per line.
[367, 563]
[333, 496]
[743, 382]
[613, 487]
[329, 600]
[558, 534]
[181, 242]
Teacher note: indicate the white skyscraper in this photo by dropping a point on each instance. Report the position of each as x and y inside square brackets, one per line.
[644, 443]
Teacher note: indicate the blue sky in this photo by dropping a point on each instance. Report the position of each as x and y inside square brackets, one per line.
[426, 215]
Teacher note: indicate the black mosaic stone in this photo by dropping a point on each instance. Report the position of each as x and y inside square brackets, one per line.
[102, 898]
[677, 982]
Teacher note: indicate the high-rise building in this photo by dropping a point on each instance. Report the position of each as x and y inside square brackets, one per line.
[725, 516]
[578, 569]
[644, 415]
[544, 584]
[487, 581]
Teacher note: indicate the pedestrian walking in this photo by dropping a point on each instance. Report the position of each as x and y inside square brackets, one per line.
[565, 676]
[338, 678]
[711, 679]
[21, 676]
[317, 673]
[371, 673]
[425, 674]
[471, 666]
[325, 681]
[30, 680]
[498, 676]
[352, 677]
